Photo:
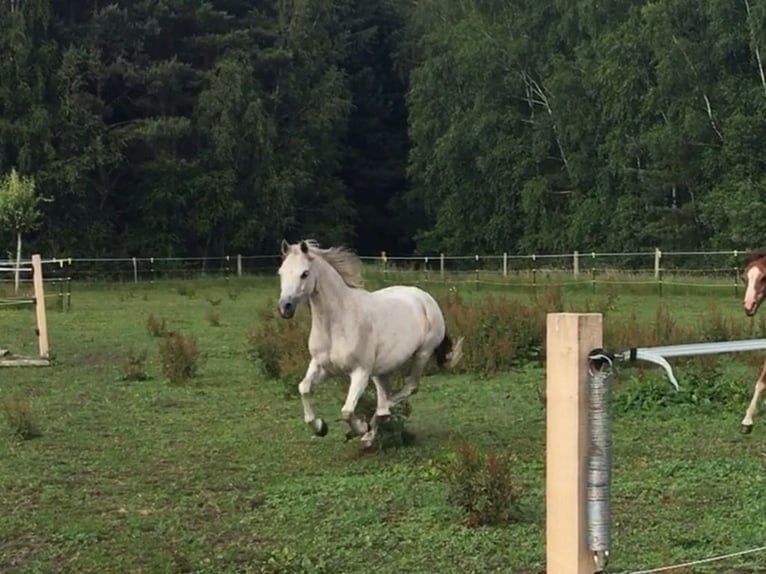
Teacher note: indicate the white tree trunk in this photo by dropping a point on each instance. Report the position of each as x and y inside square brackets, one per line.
[18, 262]
[756, 49]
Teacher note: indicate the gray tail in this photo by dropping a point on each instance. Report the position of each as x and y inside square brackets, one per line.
[448, 353]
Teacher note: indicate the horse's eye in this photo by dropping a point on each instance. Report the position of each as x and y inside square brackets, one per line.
[305, 274]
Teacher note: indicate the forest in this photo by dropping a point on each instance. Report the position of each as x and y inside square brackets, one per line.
[189, 128]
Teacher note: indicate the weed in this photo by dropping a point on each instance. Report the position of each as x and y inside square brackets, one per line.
[134, 368]
[179, 356]
[234, 290]
[185, 291]
[213, 318]
[155, 326]
[20, 418]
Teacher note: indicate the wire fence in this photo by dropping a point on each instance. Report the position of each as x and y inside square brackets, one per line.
[647, 270]
[57, 288]
[703, 561]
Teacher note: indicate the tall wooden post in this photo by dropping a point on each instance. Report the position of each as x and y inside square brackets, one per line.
[42, 322]
[570, 338]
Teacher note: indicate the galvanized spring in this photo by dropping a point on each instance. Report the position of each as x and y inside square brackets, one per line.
[599, 458]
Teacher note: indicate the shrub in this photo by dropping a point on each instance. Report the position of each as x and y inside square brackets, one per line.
[20, 418]
[482, 485]
[500, 332]
[179, 356]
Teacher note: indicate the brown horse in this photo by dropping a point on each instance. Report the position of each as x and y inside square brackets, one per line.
[754, 277]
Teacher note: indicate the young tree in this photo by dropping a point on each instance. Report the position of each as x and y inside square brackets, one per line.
[19, 210]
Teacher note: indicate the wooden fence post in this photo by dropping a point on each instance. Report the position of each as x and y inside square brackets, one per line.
[576, 264]
[657, 263]
[570, 338]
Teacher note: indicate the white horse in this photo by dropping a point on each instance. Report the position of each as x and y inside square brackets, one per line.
[359, 333]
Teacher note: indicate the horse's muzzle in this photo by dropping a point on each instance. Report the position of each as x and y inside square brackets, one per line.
[286, 309]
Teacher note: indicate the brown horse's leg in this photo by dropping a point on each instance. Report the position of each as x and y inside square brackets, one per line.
[760, 385]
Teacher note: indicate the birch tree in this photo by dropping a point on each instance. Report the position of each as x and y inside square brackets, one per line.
[19, 211]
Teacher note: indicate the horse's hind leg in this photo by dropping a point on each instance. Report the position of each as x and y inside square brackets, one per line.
[314, 374]
[412, 380]
[383, 389]
[760, 385]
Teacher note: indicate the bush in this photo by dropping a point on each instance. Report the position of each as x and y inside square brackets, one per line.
[482, 485]
[500, 332]
[179, 356]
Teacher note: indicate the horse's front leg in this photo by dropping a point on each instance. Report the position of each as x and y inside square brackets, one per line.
[760, 385]
[359, 380]
[382, 411]
[314, 374]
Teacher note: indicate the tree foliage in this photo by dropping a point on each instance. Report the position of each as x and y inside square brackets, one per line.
[19, 204]
[179, 127]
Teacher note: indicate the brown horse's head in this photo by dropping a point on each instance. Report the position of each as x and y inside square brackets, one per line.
[754, 277]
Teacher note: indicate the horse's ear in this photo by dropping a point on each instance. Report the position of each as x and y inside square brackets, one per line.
[304, 247]
[285, 247]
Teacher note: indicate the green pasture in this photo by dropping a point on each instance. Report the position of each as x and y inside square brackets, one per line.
[222, 476]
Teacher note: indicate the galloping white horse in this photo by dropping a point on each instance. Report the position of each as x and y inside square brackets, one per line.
[360, 333]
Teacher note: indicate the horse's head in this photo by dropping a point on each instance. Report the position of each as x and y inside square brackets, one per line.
[297, 278]
[754, 277]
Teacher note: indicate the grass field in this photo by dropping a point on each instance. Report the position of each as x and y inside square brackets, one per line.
[222, 476]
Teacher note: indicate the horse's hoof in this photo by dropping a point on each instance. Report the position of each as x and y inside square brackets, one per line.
[320, 427]
[382, 419]
[746, 429]
[366, 444]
